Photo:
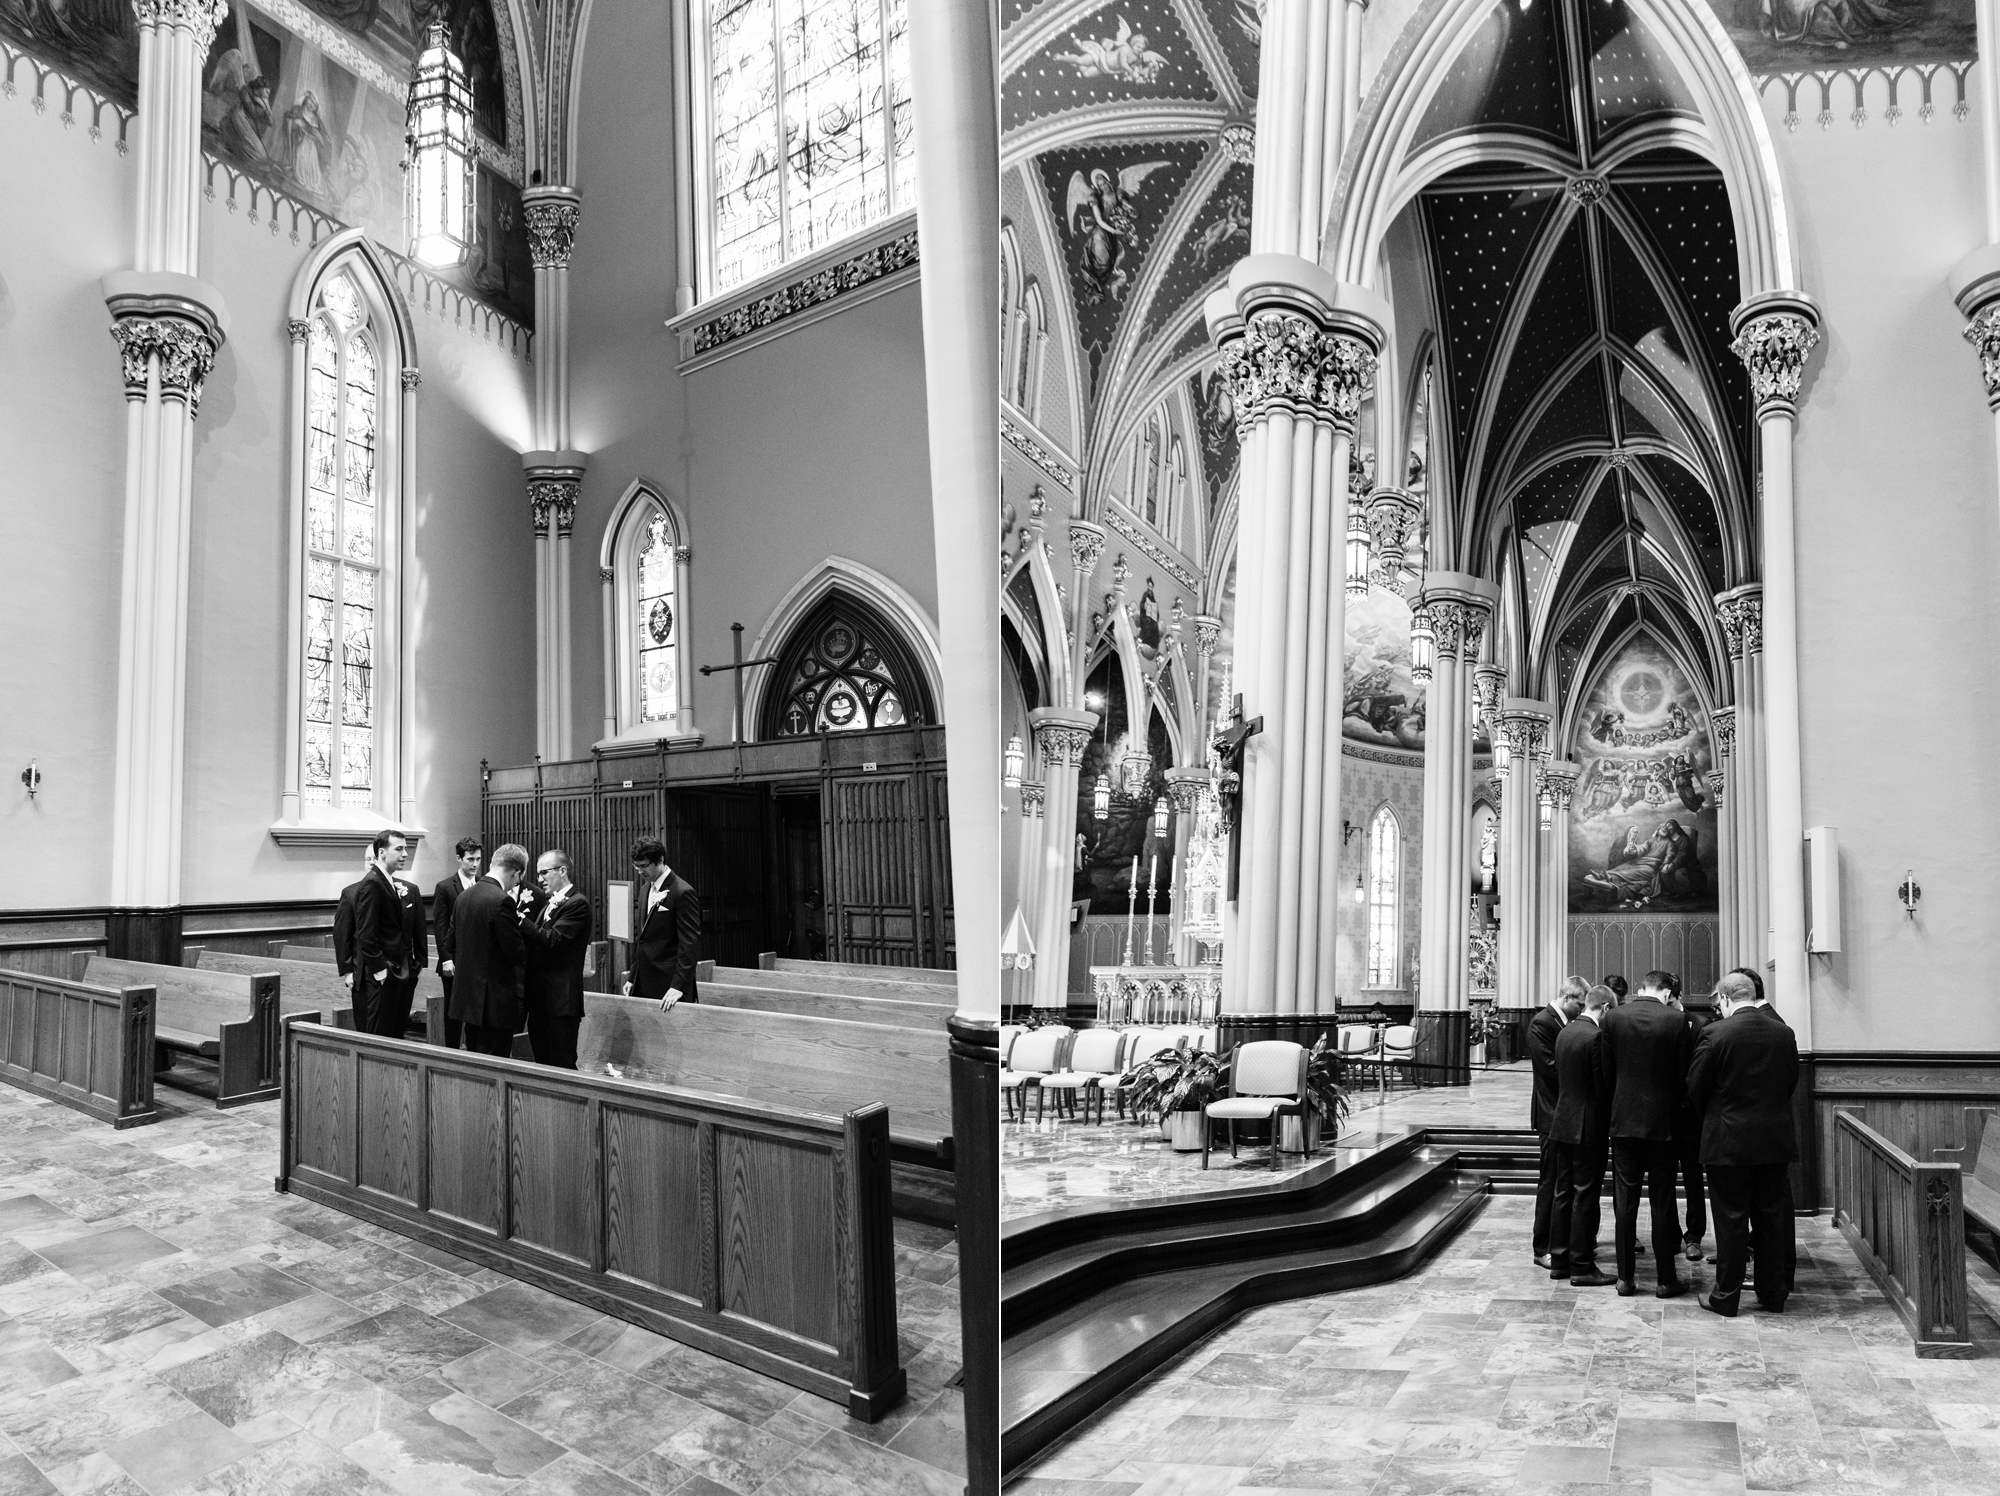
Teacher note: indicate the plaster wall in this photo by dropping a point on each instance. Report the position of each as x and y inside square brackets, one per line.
[63, 500]
[810, 445]
[1898, 558]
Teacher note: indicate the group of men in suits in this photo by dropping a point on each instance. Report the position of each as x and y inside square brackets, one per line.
[508, 949]
[1666, 1095]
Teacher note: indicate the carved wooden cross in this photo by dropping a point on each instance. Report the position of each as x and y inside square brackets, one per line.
[738, 667]
[1230, 748]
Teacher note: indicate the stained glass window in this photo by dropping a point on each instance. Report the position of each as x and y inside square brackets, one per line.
[343, 550]
[809, 127]
[844, 672]
[657, 624]
[1385, 858]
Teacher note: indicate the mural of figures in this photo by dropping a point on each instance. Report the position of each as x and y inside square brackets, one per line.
[316, 109]
[1791, 36]
[1385, 707]
[1642, 824]
[1105, 848]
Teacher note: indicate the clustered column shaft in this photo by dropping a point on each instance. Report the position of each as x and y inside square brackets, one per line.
[1460, 608]
[1557, 780]
[554, 471]
[1524, 724]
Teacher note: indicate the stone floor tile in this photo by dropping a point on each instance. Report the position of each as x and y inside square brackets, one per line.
[166, 1458]
[521, 1317]
[298, 1466]
[611, 1416]
[728, 1451]
[573, 1475]
[234, 1293]
[1675, 1443]
[455, 1447]
[398, 1344]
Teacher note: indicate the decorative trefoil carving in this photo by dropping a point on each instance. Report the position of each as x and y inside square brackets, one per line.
[551, 231]
[1983, 333]
[185, 353]
[1285, 361]
[1774, 348]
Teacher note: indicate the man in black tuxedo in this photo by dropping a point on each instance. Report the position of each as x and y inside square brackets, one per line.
[444, 899]
[1646, 1051]
[389, 941]
[558, 940]
[668, 939]
[1740, 1084]
[1542, 1031]
[343, 922]
[1687, 1142]
[491, 956]
[1578, 1129]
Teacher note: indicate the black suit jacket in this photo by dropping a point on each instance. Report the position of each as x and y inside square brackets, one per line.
[1582, 1086]
[444, 903]
[1687, 1121]
[388, 925]
[343, 929]
[1542, 1031]
[491, 957]
[1745, 1069]
[556, 948]
[1646, 1052]
[668, 942]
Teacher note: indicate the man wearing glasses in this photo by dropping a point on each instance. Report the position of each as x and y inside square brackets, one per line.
[668, 942]
[558, 939]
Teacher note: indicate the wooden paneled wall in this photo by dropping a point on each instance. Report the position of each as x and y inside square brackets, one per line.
[1916, 1101]
[1632, 944]
[758, 1234]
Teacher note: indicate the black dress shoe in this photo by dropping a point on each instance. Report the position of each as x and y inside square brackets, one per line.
[1545, 1260]
[1772, 1308]
[1592, 1279]
[1672, 1289]
[1694, 1253]
[1724, 1307]
[1626, 1288]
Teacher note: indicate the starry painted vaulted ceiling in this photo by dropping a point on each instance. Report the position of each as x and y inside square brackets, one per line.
[1593, 431]
[1597, 428]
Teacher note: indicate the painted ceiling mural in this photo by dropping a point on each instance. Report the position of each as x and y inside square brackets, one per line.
[1795, 36]
[1121, 52]
[1215, 414]
[1642, 823]
[1216, 239]
[307, 97]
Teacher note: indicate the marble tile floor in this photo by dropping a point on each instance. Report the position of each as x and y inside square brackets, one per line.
[170, 1324]
[1478, 1376]
[1053, 1166]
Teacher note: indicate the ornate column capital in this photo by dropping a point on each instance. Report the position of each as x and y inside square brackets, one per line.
[1717, 782]
[1557, 779]
[1460, 606]
[1525, 724]
[185, 355]
[551, 214]
[297, 329]
[554, 480]
[1489, 688]
[1287, 360]
[1774, 334]
[412, 378]
[1062, 736]
[1207, 633]
[1975, 289]
[1034, 796]
[1086, 545]
[201, 17]
[1185, 787]
[606, 575]
[1722, 722]
[1740, 611]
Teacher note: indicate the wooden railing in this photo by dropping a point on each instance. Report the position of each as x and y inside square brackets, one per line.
[1906, 1222]
[757, 1233]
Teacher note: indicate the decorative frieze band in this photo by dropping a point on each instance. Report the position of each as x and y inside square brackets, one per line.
[1157, 553]
[800, 296]
[1024, 442]
[1283, 360]
[184, 355]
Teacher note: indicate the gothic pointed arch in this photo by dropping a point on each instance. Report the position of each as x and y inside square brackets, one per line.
[644, 567]
[903, 619]
[845, 668]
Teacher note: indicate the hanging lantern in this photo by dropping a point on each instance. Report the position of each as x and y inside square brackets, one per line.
[1100, 798]
[1358, 545]
[440, 146]
[1422, 644]
[1138, 768]
[1160, 819]
[1016, 755]
[1548, 804]
[1360, 893]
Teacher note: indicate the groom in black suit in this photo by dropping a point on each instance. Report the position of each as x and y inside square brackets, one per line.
[1542, 1031]
[667, 938]
[1646, 1048]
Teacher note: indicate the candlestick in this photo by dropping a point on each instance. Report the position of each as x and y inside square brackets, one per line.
[1131, 909]
[1152, 877]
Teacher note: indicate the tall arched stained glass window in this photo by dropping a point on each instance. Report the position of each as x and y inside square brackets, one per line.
[844, 671]
[809, 128]
[343, 551]
[1385, 883]
[658, 642]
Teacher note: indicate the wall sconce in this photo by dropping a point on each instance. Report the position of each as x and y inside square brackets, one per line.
[1909, 893]
[1100, 799]
[1348, 831]
[32, 778]
[1016, 756]
[1160, 819]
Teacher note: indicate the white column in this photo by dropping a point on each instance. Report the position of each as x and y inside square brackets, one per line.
[554, 470]
[168, 326]
[1186, 787]
[1558, 781]
[1774, 335]
[1460, 607]
[1524, 726]
[1740, 614]
[1061, 736]
[1034, 808]
[1725, 870]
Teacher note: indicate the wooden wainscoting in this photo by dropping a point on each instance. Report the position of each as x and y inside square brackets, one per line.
[1632, 944]
[1916, 1101]
[88, 1046]
[757, 1233]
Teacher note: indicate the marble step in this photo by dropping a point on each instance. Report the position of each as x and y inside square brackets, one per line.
[1065, 1367]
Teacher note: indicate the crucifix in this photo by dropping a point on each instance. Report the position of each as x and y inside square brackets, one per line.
[1229, 749]
[738, 667]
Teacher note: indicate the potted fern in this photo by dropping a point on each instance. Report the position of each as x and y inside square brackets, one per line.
[1326, 1104]
[1175, 1085]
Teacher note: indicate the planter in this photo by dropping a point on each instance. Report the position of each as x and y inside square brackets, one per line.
[1479, 1054]
[1183, 1130]
[1298, 1133]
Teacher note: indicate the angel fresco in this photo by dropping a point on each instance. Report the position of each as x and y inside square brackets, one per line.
[1128, 56]
[1103, 210]
[1233, 224]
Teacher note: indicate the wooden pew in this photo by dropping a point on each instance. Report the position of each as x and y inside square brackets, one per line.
[932, 975]
[734, 987]
[426, 1008]
[305, 987]
[780, 1059]
[760, 1234]
[1905, 1221]
[221, 1016]
[87, 1045]
[840, 984]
